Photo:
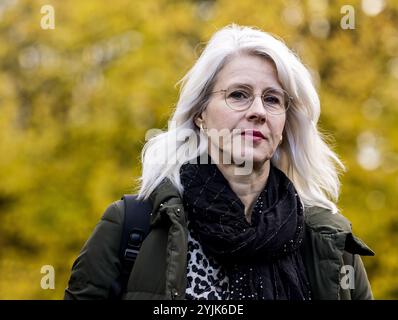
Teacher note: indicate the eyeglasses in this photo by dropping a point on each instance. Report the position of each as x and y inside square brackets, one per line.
[240, 98]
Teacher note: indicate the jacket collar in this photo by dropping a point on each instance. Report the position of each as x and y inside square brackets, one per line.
[324, 222]
[165, 193]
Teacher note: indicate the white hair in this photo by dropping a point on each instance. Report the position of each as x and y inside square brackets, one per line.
[303, 156]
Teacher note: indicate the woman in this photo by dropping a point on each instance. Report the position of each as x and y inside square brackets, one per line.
[243, 190]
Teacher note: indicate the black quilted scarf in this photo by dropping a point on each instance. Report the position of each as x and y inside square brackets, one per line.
[262, 258]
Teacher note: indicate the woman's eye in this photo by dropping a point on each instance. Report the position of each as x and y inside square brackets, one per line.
[238, 95]
[269, 99]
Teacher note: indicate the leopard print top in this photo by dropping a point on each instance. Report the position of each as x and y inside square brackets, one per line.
[206, 278]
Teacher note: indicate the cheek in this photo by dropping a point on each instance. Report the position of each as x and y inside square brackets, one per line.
[218, 117]
[277, 129]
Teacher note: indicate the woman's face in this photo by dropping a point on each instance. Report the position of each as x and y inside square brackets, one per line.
[259, 74]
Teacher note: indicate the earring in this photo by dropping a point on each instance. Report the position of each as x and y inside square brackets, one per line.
[201, 126]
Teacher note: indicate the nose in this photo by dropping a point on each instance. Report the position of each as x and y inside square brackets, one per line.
[257, 112]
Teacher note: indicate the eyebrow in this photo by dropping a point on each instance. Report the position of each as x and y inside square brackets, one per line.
[241, 84]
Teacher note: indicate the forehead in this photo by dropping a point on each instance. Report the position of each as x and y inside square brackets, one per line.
[256, 71]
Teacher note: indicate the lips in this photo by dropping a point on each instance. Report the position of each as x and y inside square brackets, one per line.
[253, 133]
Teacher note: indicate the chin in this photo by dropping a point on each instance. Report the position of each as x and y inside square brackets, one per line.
[251, 155]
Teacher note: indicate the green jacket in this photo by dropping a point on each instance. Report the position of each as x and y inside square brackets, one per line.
[160, 271]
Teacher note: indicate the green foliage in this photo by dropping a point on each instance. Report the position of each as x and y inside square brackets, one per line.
[76, 102]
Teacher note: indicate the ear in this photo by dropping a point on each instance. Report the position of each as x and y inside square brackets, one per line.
[198, 120]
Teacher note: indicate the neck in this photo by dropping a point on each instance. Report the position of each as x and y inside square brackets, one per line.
[247, 187]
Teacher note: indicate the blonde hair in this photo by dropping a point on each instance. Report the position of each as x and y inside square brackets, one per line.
[303, 156]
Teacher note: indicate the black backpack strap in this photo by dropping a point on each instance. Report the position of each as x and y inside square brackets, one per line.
[136, 227]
